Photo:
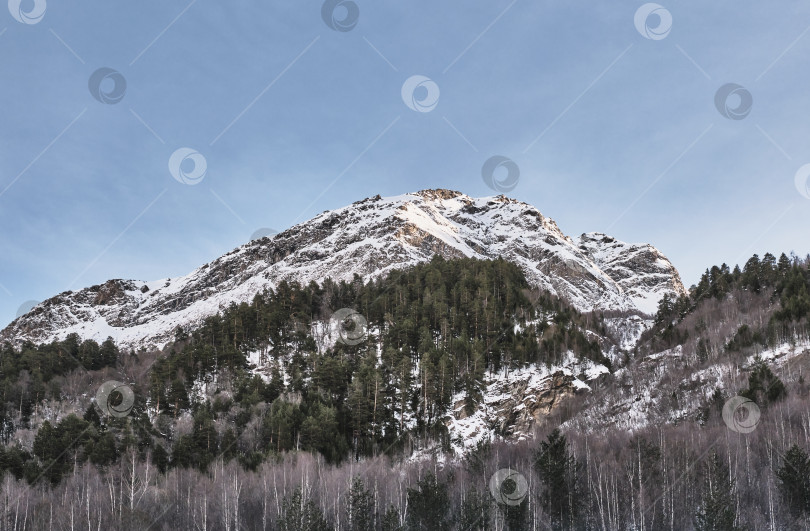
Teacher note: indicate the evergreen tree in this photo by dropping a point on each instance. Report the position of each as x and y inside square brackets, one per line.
[160, 458]
[783, 265]
[751, 274]
[716, 511]
[58, 446]
[475, 512]
[558, 471]
[361, 517]
[764, 386]
[108, 353]
[429, 505]
[516, 515]
[390, 521]
[300, 515]
[103, 451]
[794, 480]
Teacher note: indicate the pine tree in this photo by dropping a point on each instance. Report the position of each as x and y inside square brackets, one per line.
[103, 451]
[108, 353]
[716, 511]
[160, 458]
[361, 516]
[783, 265]
[300, 515]
[390, 521]
[751, 274]
[763, 385]
[559, 472]
[429, 505]
[794, 478]
[475, 511]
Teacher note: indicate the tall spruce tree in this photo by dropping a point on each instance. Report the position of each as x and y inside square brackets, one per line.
[361, 517]
[475, 512]
[558, 471]
[794, 480]
[301, 515]
[429, 505]
[390, 521]
[764, 386]
[716, 511]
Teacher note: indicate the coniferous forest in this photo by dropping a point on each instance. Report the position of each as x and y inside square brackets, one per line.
[260, 419]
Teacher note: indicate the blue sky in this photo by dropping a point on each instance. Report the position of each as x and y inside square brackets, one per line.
[612, 131]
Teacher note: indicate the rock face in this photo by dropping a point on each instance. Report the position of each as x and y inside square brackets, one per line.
[369, 238]
[642, 271]
[525, 406]
[512, 404]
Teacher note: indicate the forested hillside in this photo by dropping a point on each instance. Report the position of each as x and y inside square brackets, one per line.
[774, 292]
[291, 413]
[427, 333]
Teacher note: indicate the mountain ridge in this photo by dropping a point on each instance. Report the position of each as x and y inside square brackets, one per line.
[370, 238]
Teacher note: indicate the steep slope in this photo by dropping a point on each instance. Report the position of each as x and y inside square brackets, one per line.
[642, 271]
[368, 238]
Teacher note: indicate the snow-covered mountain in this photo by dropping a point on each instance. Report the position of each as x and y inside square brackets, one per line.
[369, 238]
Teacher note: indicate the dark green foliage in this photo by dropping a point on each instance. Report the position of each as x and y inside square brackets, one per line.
[199, 448]
[745, 338]
[252, 390]
[793, 295]
[429, 505]
[281, 425]
[361, 507]
[559, 474]
[13, 460]
[57, 446]
[794, 480]
[33, 373]
[475, 512]
[229, 444]
[441, 325]
[93, 357]
[516, 516]
[716, 511]
[764, 386]
[320, 433]
[44, 362]
[92, 416]
[183, 453]
[160, 458]
[103, 451]
[671, 309]
[301, 515]
[785, 280]
[390, 521]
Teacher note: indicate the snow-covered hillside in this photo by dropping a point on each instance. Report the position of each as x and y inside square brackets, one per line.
[369, 238]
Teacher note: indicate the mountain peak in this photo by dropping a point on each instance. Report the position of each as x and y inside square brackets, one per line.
[369, 238]
[439, 193]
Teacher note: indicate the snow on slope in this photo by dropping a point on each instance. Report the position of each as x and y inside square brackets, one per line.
[513, 402]
[641, 270]
[369, 238]
[665, 388]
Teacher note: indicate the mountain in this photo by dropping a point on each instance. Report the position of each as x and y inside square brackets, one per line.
[459, 362]
[368, 238]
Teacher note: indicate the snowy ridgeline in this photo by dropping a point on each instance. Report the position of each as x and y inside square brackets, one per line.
[369, 238]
